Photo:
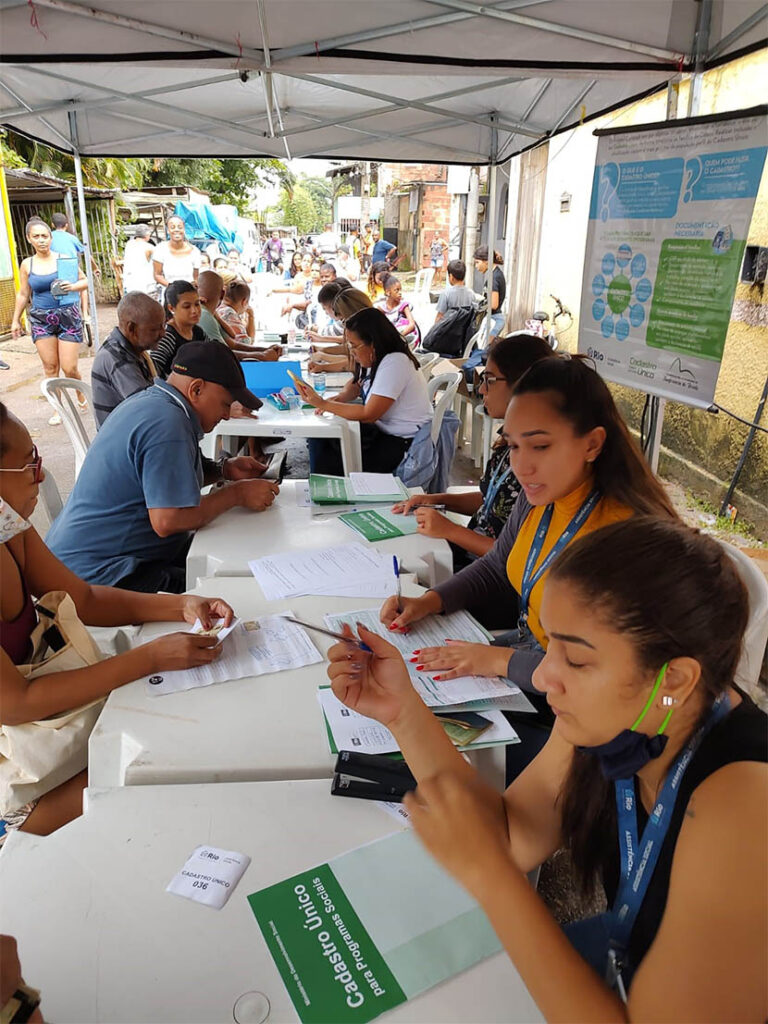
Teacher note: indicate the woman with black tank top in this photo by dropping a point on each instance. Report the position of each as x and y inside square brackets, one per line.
[654, 778]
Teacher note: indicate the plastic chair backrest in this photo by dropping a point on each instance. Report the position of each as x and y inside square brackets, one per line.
[423, 281]
[427, 360]
[477, 339]
[58, 391]
[450, 383]
[50, 496]
[756, 636]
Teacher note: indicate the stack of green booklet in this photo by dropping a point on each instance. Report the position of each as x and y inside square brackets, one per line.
[339, 490]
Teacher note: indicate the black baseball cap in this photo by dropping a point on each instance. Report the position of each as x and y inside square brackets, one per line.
[215, 362]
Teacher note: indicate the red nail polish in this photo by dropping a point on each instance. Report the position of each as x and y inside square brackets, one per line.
[419, 668]
[437, 677]
[392, 625]
[412, 659]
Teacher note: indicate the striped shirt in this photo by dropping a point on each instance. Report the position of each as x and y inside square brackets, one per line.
[118, 372]
[170, 344]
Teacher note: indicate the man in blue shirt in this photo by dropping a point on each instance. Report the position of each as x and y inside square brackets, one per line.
[382, 251]
[129, 520]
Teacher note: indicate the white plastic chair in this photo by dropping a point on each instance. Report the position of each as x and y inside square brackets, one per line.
[50, 495]
[423, 283]
[756, 636]
[449, 382]
[427, 360]
[58, 391]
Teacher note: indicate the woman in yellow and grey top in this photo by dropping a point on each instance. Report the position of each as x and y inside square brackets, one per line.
[579, 470]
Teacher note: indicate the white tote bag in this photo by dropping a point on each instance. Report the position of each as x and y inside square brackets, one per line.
[36, 757]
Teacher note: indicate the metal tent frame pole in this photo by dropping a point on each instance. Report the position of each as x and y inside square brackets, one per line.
[84, 225]
[700, 46]
[491, 220]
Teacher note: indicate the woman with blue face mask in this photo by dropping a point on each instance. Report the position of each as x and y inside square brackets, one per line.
[654, 779]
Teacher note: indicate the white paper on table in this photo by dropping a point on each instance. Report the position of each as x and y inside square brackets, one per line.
[374, 483]
[350, 570]
[209, 876]
[353, 731]
[276, 645]
[432, 632]
[302, 495]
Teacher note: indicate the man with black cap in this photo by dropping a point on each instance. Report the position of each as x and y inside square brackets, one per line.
[129, 520]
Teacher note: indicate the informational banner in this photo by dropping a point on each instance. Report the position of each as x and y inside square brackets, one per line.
[668, 221]
[369, 930]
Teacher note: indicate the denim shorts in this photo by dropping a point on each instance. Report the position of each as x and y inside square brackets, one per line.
[62, 322]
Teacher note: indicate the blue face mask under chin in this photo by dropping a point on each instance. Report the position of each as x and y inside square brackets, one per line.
[629, 751]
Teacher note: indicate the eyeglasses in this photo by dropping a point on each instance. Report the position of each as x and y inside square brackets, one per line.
[489, 379]
[36, 466]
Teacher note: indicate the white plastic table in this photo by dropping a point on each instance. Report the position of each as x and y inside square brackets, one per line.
[259, 728]
[225, 546]
[270, 422]
[104, 942]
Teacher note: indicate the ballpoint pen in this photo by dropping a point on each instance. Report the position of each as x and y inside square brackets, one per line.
[327, 632]
[399, 588]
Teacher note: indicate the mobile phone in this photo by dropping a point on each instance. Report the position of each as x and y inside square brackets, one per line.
[294, 378]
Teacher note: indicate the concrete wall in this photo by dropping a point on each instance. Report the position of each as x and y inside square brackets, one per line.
[699, 448]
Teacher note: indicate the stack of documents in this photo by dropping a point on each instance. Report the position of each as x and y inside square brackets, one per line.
[358, 490]
[348, 730]
[350, 570]
[470, 693]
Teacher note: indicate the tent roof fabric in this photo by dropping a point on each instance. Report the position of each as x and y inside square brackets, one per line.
[409, 80]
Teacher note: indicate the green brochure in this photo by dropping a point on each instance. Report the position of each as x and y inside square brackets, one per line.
[369, 930]
[339, 490]
[380, 525]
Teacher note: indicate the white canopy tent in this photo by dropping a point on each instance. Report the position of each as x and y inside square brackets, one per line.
[407, 80]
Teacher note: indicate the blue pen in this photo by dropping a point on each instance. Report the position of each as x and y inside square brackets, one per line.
[399, 588]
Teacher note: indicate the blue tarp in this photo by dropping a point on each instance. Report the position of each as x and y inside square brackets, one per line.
[203, 226]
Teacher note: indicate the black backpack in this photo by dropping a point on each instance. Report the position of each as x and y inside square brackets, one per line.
[449, 336]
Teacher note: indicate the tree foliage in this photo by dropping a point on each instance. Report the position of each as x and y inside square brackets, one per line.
[299, 209]
[19, 151]
[228, 180]
[306, 201]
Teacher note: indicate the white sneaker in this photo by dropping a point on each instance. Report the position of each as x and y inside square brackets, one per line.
[55, 420]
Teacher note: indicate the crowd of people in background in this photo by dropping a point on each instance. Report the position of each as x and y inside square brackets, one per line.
[573, 549]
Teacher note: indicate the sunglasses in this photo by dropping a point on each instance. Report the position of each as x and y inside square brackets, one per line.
[36, 465]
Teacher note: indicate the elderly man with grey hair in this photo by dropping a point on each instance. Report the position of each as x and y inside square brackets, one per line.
[123, 364]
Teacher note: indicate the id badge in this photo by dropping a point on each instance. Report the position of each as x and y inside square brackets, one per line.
[613, 978]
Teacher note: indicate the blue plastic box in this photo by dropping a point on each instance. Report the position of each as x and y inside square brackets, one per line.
[264, 378]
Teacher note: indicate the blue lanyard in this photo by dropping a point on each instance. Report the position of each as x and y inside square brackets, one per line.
[531, 578]
[496, 482]
[638, 859]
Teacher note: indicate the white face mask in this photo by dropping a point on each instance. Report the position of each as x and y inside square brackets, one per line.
[11, 522]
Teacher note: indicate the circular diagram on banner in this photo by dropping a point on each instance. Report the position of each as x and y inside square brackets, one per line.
[621, 291]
